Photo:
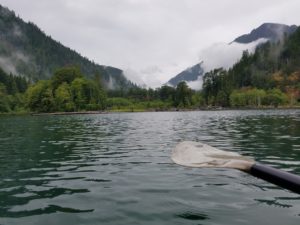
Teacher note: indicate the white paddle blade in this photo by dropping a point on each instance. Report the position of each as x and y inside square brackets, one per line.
[196, 154]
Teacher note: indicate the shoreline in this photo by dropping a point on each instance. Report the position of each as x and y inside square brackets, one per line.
[151, 110]
[68, 113]
[157, 110]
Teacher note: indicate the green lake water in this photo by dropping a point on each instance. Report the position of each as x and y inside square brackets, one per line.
[116, 169]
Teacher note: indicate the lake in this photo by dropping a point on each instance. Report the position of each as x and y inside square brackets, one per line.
[116, 169]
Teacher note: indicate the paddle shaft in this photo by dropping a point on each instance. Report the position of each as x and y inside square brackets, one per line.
[275, 176]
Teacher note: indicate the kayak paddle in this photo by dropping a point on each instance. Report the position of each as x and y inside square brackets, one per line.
[196, 154]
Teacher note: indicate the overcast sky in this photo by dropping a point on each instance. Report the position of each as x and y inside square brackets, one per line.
[151, 40]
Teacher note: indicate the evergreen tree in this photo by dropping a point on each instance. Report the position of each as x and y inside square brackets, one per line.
[183, 95]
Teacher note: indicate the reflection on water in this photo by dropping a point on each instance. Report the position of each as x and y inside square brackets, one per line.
[116, 168]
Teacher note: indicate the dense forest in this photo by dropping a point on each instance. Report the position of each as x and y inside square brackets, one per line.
[269, 76]
[69, 90]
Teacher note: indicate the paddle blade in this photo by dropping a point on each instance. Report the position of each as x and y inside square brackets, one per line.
[196, 154]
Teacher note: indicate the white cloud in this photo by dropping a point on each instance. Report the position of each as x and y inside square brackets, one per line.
[224, 54]
[134, 77]
[154, 76]
[197, 84]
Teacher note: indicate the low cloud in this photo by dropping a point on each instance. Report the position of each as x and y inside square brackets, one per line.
[215, 56]
[134, 77]
[197, 84]
[8, 65]
[225, 55]
[155, 76]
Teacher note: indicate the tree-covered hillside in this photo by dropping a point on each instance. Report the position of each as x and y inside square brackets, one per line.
[27, 51]
[269, 76]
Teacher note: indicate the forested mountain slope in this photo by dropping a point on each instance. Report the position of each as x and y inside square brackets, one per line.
[273, 68]
[27, 51]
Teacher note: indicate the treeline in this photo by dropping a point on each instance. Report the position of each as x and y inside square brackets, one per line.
[68, 90]
[163, 98]
[268, 77]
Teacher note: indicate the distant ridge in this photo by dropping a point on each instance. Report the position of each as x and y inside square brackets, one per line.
[27, 51]
[271, 31]
[189, 74]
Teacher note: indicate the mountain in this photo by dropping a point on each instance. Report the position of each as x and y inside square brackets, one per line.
[270, 31]
[269, 76]
[27, 51]
[190, 74]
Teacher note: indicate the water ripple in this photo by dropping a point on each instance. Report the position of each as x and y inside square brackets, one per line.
[116, 168]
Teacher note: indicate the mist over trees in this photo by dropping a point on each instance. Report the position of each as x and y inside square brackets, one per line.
[268, 77]
[25, 50]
